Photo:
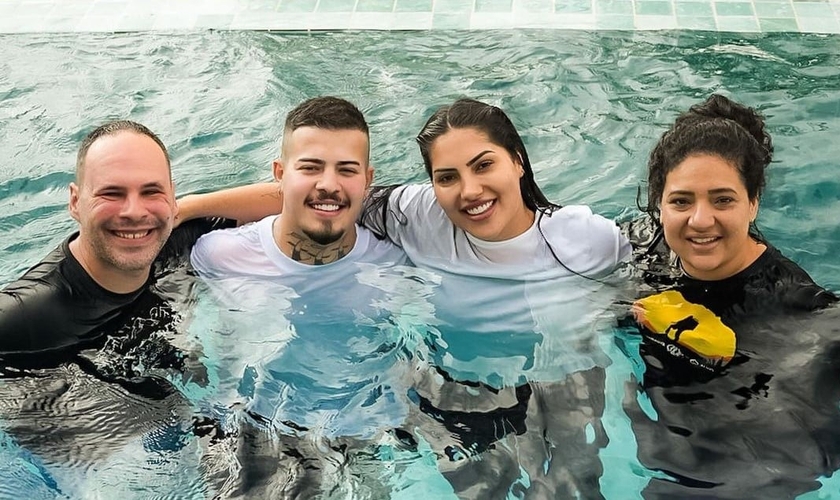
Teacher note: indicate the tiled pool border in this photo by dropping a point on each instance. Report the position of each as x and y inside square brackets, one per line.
[31, 16]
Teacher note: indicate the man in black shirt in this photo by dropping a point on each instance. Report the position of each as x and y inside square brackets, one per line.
[123, 198]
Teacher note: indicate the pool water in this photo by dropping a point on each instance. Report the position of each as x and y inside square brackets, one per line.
[589, 106]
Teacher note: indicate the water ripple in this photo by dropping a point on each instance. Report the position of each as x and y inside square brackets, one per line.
[588, 105]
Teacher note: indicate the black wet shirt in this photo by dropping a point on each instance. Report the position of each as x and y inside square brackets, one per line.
[738, 377]
[57, 307]
[690, 330]
[771, 283]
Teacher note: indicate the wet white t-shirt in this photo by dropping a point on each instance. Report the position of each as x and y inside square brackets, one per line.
[536, 299]
[312, 346]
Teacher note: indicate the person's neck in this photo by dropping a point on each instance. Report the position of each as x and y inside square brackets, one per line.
[111, 279]
[301, 248]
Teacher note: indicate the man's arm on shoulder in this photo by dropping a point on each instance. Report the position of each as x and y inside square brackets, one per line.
[243, 204]
[185, 236]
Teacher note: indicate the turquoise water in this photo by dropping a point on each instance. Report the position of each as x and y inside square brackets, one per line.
[589, 106]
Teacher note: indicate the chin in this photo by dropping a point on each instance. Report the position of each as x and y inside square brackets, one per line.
[324, 238]
[706, 273]
[134, 263]
[486, 235]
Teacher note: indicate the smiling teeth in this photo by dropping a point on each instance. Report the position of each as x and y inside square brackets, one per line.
[326, 208]
[479, 209]
[131, 236]
[704, 240]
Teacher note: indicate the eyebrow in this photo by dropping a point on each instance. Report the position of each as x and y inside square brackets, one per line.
[321, 162]
[692, 193]
[311, 160]
[478, 157]
[119, 187]
[469, 163]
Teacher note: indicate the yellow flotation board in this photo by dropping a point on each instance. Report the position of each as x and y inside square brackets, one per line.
[690, 325]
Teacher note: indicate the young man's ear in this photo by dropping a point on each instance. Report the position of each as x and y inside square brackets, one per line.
[277, 169]
[369, 177]
[73, 204]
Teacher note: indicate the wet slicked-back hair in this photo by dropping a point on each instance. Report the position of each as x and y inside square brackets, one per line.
[113, 128]
[495, 124]
[326, 112]
[720, 127]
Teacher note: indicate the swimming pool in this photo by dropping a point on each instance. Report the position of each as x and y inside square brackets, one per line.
[589, 107]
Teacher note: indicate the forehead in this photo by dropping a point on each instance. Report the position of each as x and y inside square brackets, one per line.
[125, 159]
[460, 142]
[327, 145]
[464, 136]
[704, 173]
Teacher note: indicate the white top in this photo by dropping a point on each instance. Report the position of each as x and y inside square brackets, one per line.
[586, 243]
[250, 250]
[536, 317]
[312, 345]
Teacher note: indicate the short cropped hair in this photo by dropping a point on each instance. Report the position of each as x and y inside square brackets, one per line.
[113, 128]
[326, 112]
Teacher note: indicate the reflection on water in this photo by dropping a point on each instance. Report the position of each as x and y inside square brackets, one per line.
[504, 332]
[434, 388]
[81, 435]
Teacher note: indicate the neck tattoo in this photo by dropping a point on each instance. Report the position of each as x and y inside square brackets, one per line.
[306, 251]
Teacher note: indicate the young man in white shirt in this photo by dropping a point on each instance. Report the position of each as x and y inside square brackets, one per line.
[303, 332]
[323, 173]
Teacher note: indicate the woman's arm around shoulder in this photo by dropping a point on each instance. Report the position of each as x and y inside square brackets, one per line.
[399, 211]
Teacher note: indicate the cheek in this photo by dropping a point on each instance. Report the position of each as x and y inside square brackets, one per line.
[671, 220]
[744, 222]
[293, 187]
[97, 210]
[359, 187]
[671, 229]
[355, 191]
[161, 208]
[444, 198]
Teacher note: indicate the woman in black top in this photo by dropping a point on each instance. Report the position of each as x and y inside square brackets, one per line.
[720, 336]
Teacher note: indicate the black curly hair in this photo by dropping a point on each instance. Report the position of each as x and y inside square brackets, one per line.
[720, 127]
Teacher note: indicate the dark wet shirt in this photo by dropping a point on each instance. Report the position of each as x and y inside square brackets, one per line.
[56, 308]
[763, 417]
[773, 283]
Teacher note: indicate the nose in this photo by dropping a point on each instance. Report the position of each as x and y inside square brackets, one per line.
[471, 188]
[133, 207]
[702, 217]
[328, 181]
